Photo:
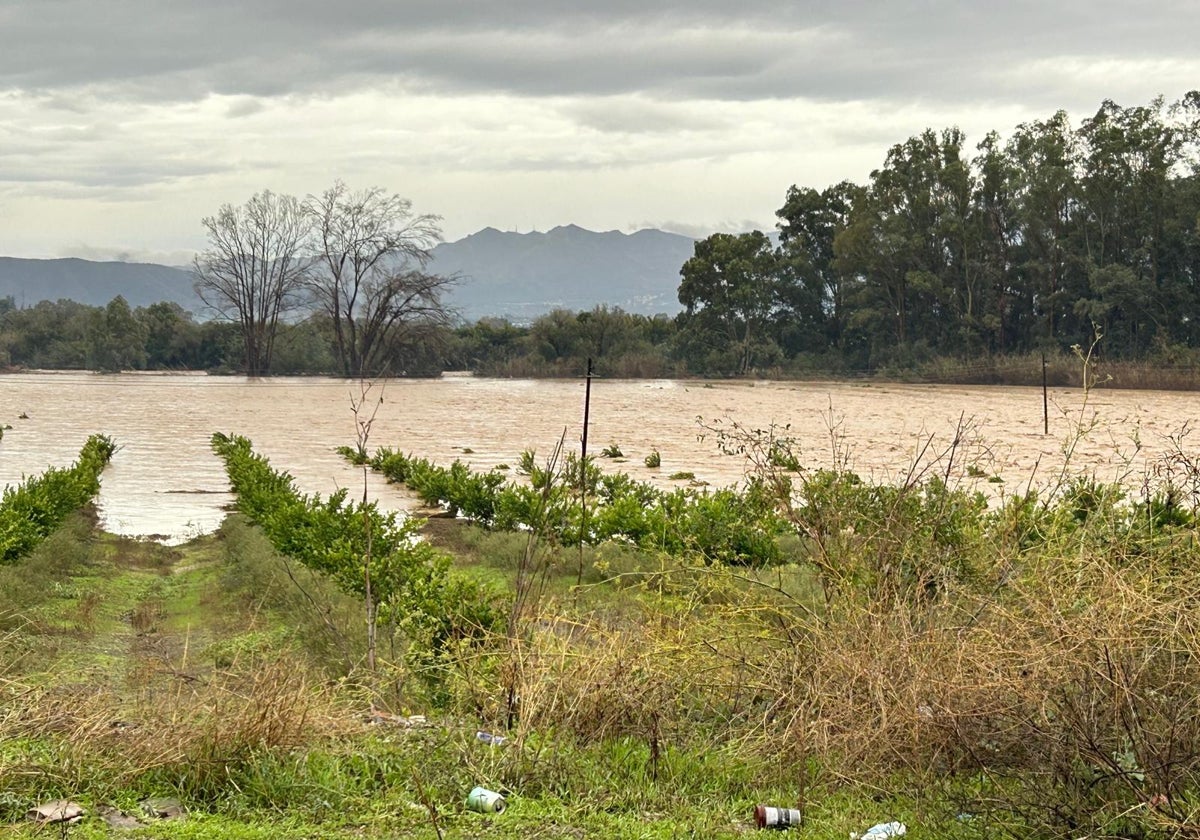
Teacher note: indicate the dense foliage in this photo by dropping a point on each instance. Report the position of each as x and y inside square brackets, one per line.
[722, 526]
[1025, 245]
[32, 510]
[356, 544]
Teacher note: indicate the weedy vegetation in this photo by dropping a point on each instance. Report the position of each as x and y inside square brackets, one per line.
[1018, 665]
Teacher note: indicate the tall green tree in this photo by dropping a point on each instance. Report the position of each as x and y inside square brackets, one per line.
[171, 335]
[1130, 157]
[817, 307]
[906, 244]
[116, 339]
[730, 291]
[995, 232]
[1043, 155]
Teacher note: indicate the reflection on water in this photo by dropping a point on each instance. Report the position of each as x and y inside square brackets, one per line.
[165, 481]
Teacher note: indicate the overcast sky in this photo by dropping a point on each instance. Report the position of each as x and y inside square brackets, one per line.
[124, 122]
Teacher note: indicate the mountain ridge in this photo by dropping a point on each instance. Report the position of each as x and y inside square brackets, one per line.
[95, 283]
[523, 275]
[501, 274]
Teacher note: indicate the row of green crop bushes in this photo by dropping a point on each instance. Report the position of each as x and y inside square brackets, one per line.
[358, 545]
[30, 511]
[726, 526]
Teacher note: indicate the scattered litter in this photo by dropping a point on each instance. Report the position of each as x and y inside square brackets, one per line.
[882, 831]
[163, 808]
[486, 801]
[766, 816]
[116, 818]
[379, 717]
[56, 811]
[489, 738]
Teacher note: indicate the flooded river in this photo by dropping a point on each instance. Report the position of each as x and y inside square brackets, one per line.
[165, 481]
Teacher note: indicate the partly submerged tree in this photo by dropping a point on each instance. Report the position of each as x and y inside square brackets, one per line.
[253, 270]
[116, 339]
[369, 274]
[730, 291]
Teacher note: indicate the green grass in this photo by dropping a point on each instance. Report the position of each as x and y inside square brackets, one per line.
[361, 781]
[650, 696]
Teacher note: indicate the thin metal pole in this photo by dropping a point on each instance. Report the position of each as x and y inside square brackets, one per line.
[1045, 400]
[587, 405]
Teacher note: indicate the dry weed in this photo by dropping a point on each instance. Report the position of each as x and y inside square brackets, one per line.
[193, 726]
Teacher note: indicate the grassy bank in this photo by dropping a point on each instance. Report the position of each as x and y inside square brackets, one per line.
[1025, 670]
[207, 673]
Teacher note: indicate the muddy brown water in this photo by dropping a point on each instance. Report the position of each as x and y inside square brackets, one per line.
[165, 481]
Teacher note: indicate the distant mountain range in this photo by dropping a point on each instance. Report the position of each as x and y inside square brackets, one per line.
[502, 274]
[523, 275]
[95, 283]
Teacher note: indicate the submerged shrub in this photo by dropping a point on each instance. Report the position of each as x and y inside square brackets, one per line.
[722, 526]
[30, 511]
[336, 537]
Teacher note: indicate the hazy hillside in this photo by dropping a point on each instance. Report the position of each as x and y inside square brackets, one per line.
[520, 275]
[523, 275]
[94, 283]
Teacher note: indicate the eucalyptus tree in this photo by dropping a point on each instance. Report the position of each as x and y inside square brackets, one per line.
[1180, 253]
[1131, 157]
[172, 336]
[254, 269]
[370, 252]
[730, 291]
[994, 229]
[116, 338]
[905, 243]
[809, 224]
[1045, 193]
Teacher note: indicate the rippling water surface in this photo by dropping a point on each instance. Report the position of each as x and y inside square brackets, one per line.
[164, 481]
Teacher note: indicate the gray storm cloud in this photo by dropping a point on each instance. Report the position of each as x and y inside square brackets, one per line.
[524, 113]
[180, 49]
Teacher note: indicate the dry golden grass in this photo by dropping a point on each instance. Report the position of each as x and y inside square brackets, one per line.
[178, 721]
[1075, 675]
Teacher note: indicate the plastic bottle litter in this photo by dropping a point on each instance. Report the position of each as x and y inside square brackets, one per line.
[486, 801]
[883, 831]
[57, 811]
[766, 816]
[489, 738]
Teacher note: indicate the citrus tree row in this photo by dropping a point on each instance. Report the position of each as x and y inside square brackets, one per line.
[358, 546]
[724, 526]
[31, 510]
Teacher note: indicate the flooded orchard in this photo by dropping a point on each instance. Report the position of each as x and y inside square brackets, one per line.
[165, 481]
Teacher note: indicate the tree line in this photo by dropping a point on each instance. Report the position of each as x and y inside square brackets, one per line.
[68, 335]
[1031, 243]
[1034, 242]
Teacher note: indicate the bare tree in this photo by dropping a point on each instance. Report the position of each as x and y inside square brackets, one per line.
[254, 268]
[369, 273]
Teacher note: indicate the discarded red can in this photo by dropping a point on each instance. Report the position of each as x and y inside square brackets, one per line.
[766, 816]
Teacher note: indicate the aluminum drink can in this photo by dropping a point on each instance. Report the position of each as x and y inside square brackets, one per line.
[766, 816]
[486, 801]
